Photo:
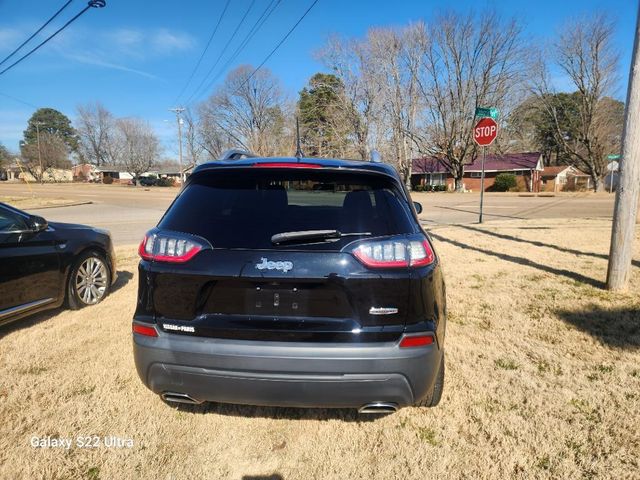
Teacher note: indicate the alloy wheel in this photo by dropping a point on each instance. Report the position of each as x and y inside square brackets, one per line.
[91, 281]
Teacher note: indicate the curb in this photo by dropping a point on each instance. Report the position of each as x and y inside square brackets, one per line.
[62, 205]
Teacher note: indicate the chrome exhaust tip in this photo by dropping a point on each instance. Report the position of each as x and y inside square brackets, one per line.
[175, 397]
[379, 407]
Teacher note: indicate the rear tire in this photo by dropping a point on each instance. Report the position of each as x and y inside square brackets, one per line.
[89, 281]
[433, 397]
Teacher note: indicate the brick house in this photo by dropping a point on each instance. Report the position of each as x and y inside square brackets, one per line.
[555, 178]
[527, 168]
[85, 172]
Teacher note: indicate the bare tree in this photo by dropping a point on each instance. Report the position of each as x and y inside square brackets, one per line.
[213, 140]
[394, 60]
[585, 53]
[51, 153]
[192, 142]
[351, 61]
[94, 126]
[467, 61]
[245, 109]
[133, 145]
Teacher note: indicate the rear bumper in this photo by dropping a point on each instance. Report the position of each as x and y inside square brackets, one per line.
[283, 373]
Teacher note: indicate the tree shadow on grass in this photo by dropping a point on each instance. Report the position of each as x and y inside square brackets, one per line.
[537, 243]
[619, 328]
[273, 476]
[486, 214]
[279, 413]
[522, 261]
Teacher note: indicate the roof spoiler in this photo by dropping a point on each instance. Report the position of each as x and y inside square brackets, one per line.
[236, 154]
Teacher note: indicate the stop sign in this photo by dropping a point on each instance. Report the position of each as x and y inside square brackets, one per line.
[485, 131]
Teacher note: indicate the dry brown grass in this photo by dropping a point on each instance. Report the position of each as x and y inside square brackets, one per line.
[28, 202]
[543, 381]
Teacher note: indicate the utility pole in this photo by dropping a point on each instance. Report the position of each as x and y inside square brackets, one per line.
[38, 124]
[178, 111]
[626, 207]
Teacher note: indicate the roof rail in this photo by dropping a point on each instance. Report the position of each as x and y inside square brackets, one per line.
[236, 154]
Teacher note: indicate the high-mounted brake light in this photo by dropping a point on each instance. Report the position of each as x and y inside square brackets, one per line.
[286, 165]
[168, 247]
[416, 341]
[395, 253]
[147, 331]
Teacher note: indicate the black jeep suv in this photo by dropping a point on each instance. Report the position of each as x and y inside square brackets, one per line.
[291, 282]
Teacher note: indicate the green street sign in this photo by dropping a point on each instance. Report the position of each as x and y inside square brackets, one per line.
[491, 112]
[613, 157]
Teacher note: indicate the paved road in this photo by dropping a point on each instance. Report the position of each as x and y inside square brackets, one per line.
[128, 212]
[448, 208]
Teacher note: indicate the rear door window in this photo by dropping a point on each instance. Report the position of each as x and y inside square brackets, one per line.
[245, 208]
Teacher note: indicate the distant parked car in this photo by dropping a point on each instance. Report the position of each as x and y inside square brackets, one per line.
[147, 181]
[43, 265]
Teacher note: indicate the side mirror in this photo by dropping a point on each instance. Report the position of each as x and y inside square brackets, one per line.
[418, 207]
[37, 224]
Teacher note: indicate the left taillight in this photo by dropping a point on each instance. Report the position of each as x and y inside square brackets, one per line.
[171, 247]
[146, 330]
[395, 253]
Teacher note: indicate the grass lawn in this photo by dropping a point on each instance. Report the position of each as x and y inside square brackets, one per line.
[27, 202]
[543, 381]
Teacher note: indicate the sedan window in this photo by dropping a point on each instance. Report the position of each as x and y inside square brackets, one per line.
[11, 222]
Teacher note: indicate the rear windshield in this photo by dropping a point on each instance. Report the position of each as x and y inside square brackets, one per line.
[245, 208]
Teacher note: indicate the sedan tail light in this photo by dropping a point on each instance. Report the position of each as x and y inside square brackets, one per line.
[172, 247]
[395, 253]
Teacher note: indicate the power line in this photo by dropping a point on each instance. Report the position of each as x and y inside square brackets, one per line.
[36, 32]
[224, 49]
[252, 32]
[277, 46]
[16, 99]
[203, 52]
[90, 4]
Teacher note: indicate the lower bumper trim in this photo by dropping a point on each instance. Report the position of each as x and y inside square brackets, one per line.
[285, 390]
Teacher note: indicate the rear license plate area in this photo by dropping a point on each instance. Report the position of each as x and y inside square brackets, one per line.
[276, 300]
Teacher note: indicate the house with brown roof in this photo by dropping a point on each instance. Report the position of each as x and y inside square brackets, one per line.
[526, 166]
[558, 178]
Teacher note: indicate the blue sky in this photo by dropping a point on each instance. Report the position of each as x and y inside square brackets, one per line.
[135, 56]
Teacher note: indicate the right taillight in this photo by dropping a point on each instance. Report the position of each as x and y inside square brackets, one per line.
[172, 247]
[395, 253]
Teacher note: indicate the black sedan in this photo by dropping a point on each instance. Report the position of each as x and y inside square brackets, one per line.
[43, 265]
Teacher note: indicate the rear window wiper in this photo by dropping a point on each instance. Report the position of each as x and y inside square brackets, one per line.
[311, 235]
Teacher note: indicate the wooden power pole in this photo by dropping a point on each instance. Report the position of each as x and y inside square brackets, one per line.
[626, 207]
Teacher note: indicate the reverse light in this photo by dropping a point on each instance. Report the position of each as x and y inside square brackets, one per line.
[147, 331]
[395, 253]
[416, 341]
[169, 247]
